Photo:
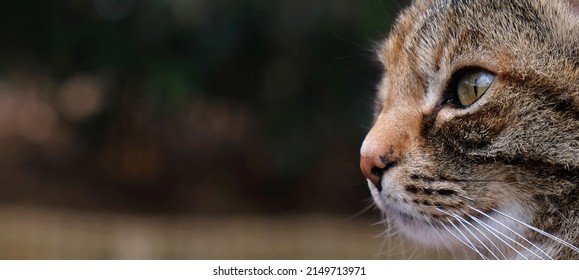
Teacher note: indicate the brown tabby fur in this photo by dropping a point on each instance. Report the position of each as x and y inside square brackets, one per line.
[515, 150]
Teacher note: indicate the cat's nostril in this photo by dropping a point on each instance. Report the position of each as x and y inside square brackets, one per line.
[376, 171]
[379, 171]
[374, 168]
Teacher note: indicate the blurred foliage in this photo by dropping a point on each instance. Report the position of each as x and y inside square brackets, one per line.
[188, 106]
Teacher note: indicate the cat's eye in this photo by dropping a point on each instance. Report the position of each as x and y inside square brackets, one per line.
[472, 84]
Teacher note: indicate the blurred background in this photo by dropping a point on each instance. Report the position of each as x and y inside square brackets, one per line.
[188, 129]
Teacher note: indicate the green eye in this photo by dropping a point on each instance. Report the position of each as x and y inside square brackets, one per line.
[472, 85]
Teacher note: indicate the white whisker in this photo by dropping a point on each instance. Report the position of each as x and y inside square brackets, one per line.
[389, 231]
[467, 240]
[569, 245]
[385, 221]
[439, 236]
[458, 238]
[465, 197]
[516, 233]
[497, 237]
[463, 221]
[491, 229]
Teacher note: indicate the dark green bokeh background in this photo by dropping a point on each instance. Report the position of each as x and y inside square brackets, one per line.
[187, 107]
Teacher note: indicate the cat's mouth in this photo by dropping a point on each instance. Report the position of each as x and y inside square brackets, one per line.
[439, 219]
[453, 228]
[435, 216]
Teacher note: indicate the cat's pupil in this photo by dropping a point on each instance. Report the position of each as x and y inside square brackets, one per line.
[472, 85]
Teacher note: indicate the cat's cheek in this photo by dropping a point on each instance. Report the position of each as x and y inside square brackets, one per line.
[390, 196]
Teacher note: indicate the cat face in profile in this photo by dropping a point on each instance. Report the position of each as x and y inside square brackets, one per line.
[475, 143]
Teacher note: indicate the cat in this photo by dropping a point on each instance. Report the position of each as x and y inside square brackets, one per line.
[475, 141]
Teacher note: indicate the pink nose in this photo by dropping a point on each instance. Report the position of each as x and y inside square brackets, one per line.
[384, 145]
[374, 166]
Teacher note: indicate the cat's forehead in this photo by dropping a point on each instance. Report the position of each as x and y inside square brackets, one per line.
[431, 25]
[428, 26]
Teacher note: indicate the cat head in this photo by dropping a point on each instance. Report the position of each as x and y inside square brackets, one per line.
[477, 122]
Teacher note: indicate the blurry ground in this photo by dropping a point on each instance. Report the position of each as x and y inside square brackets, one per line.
[188, 128]
[51, 234]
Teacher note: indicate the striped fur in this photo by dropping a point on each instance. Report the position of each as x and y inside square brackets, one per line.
[505, 167]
